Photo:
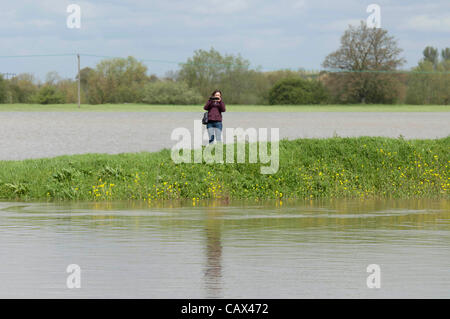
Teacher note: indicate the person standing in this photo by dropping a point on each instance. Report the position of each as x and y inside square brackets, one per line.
[215, 108]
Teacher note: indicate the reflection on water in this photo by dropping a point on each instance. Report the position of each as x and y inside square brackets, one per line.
[293, 249]
[213, 268]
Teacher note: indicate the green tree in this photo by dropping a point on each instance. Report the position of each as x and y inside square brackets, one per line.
[65, 87]
[52, 78]
[263, 82]
[431, 55]
[22, 88]
[429, 82]
[116, 80]
[3, 90]
[445, 54]
[209, 70]
[297, 91]
[69, 89]
[48, 94]
[361, 66]
[169, 92]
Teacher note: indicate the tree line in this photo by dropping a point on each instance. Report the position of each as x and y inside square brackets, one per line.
[364, 69]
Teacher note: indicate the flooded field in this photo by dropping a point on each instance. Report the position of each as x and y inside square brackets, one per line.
[47, 134]
[306, 249]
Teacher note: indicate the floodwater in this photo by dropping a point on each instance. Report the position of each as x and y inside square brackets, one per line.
[303, 249]
[46, 134]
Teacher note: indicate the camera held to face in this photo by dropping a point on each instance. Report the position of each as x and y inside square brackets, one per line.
[214, 98]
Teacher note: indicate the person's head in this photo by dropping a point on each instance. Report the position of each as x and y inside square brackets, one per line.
[218, 94]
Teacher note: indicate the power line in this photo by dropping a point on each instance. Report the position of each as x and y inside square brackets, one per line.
[212, 64]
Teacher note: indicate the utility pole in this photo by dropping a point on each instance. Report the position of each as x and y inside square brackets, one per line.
[79, 82]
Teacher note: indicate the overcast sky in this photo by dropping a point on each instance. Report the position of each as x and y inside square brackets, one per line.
[270, 34]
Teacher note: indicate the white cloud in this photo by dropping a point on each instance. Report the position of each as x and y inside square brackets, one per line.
[299, 4]
[220, 7]
[41, 23]
[280, 8]
[54, 7]
[336, 25]
[269, 32]
[263, 41]
[427, 22]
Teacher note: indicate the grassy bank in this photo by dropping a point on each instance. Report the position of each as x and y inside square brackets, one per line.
[363, 167]
[230, 108]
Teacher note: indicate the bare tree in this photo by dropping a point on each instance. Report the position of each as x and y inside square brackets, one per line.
[361, 69]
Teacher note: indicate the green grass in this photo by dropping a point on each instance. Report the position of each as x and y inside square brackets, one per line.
[363, 167]
[230, 108]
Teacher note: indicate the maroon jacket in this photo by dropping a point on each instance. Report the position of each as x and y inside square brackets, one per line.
[215, 110]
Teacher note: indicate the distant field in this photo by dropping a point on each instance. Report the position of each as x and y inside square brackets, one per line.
[230, 108]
